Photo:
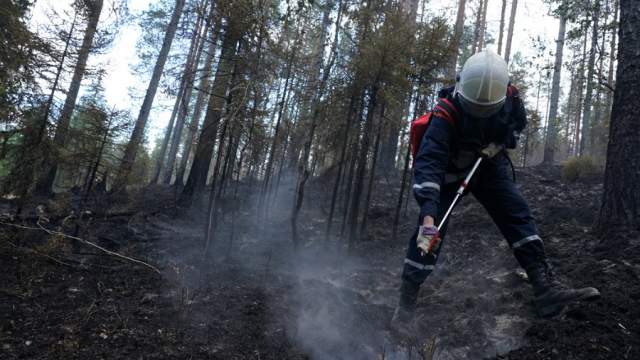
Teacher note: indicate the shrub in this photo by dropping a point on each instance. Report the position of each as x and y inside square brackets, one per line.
[578, 167]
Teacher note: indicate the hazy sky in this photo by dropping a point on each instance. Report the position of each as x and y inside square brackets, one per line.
[120, 82]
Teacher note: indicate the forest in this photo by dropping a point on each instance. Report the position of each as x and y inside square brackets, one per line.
[234, 179]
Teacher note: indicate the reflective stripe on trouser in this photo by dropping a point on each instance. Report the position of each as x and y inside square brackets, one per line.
[496, 191]
[494, 188]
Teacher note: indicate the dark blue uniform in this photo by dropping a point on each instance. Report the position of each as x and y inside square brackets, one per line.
[446, 154]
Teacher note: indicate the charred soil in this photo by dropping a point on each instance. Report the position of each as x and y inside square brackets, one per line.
[255, 297]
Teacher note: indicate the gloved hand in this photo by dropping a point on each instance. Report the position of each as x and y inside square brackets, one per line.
[491, 150]
[428, 239]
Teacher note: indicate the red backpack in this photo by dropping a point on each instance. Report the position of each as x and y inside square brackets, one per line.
[444, 109]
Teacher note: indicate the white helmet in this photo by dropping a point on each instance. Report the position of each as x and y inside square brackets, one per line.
[482, 84]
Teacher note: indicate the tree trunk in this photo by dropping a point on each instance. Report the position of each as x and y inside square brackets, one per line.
[303, 167]
[621, 198]
[483, 25]
[501, 31]
[341, 165]
[274, 142]
[477, 28]
[54, 87]
[161, 162]
[398, 110]
[204, 151]
[512, 19]
[138, 131]
[45, 183]
[167, 136]
[203, 89]
[189, 76]
[552, 126]
[372, 175]
[578, 119]
[612, 56]
[598, 127]
[588, 98]
[455, 42]
[362, 164]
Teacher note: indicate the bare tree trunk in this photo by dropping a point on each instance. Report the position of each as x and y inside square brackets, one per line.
[303, 167]
[581, 79]
[362, 163]
[585, 141]
[501, 31]
[372, 174]
[478, 27]
[483, 25]
[167, 135]
[45, 183]
[96, 164]
[455, 42]
[512, 19]
[612, 56]
[54, 87]
[598, 136]
[203, 89]
[341, 165]
[398, 110]
[136, 136]
[621, 198]
[178, 105]
[204, 151]
[274, 143]
[552, 126]
[189, 75]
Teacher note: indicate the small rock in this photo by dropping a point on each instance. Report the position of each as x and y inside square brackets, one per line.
[103, 336]
[28, 342]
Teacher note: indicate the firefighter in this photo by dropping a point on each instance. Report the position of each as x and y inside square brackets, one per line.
[481, 116]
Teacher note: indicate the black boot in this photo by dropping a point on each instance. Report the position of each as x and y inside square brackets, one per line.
[403, 313]
[550, 295]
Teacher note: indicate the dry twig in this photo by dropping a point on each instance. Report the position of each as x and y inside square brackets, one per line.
[89, 243]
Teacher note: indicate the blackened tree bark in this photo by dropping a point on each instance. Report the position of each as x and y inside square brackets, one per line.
[621, 199]
[138, 131]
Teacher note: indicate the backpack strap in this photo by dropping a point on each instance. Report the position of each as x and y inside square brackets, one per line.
[446, 110]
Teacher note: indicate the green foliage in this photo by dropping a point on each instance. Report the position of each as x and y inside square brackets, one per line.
[576, 168]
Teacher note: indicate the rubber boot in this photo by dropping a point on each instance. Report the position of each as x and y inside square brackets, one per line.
[550, 295]
[404, 312]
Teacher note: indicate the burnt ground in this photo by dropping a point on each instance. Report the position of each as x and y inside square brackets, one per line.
[254, 297]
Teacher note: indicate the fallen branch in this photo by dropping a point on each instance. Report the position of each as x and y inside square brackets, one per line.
[89, 243]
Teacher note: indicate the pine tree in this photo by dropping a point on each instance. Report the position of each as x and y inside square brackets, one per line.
[621, 197]
[136, 136]
[45, 183]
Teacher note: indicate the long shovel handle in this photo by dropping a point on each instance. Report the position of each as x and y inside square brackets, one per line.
[460, 191]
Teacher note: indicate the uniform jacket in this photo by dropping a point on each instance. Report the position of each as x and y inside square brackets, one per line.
[447, 150]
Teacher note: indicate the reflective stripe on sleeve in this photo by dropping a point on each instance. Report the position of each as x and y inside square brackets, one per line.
[521, 242]
[427, 184]
[417, 265]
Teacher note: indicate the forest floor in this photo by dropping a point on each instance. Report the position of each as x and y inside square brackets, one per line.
[256, 298]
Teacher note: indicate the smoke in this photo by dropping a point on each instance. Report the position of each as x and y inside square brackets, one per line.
[338, 306]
